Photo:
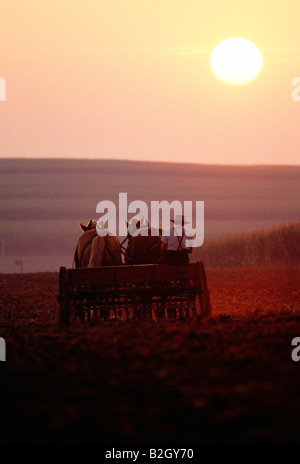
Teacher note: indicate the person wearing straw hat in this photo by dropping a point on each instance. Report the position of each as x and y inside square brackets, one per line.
[174, 242]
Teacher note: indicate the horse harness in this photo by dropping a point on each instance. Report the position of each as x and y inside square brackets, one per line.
[124, 250]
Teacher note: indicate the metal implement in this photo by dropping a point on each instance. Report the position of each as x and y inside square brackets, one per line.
[137, 292]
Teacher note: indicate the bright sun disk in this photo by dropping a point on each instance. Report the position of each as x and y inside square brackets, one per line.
[236, 61]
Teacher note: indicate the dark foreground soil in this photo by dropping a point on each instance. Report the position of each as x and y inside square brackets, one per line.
[229, 378]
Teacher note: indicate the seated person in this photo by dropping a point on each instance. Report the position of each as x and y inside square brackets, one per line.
[174, 246]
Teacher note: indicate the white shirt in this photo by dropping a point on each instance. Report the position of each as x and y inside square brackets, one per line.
[172, 240]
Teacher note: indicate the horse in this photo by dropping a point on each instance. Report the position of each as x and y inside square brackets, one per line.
[144, 243]
[93, 250]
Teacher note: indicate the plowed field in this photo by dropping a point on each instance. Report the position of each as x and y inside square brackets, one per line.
[229, 378]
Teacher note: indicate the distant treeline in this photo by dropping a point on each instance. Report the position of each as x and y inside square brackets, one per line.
[278, 246]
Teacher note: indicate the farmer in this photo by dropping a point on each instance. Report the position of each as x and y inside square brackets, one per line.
[174, 242]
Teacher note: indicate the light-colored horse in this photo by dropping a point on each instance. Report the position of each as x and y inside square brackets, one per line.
[93, 250]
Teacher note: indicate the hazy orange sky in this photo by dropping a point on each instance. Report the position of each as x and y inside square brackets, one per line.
[131, 79]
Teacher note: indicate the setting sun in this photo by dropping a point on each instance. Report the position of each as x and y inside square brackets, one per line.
[236, 61]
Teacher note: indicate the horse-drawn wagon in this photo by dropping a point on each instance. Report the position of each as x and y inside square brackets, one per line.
[131, 292]
[102, 288]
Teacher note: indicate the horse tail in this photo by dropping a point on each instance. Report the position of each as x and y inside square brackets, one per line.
[97, 250]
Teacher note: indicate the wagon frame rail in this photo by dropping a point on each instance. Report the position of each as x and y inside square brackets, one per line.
[145, 291]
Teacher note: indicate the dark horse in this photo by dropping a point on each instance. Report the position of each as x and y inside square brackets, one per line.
[144, 244]
[93, 250]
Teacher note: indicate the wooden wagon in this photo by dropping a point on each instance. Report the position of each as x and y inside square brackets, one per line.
[132, 292]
